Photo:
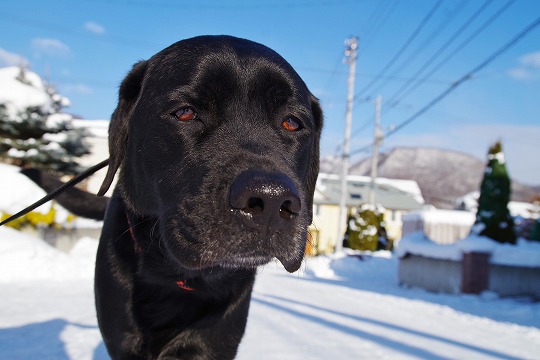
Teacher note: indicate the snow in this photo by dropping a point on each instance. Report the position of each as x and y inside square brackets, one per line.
[499, 157]
[524, 253]
[17, 95]
[406, 186]
[17, 191]
[343, 307]
[418, 244]
[57, 119]
[433, 216]
[97, 128]
[524, 210]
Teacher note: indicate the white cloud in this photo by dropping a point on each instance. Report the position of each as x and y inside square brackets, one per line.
[520, 73]
[94, 27]
[50, 46]
[11, 59]
[78, 88]
[531, 60]
[528, 68]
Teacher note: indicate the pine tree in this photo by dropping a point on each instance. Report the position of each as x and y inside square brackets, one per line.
[493, 218]
[42, 137]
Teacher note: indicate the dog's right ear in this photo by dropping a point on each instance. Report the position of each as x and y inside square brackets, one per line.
[118, 128]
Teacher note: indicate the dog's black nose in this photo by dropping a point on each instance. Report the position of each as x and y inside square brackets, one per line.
[265, 200]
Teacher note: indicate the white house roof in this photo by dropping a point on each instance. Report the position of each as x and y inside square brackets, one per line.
[390, 193]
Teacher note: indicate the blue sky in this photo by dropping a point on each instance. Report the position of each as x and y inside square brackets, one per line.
[85, 48]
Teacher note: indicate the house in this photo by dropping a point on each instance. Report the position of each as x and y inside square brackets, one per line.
[441, 226]
[396, 196]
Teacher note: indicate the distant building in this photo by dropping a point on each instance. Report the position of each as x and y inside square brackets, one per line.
[396, 196]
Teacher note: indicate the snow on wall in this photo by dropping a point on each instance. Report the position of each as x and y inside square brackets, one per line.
[525, 253]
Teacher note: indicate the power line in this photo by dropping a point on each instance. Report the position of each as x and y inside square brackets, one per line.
[225, 5]
[382, 19]
[393, 102]
[443, 48]
[404, 47]
[435, 33]
[44, 25]
[469, 75]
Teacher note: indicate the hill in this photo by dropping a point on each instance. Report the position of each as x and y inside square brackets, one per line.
[442, 175]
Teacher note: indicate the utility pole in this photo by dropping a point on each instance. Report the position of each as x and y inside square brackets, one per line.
[350, 58]
[377, 135]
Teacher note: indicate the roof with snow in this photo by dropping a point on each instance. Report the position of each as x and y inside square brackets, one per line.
[390, 193]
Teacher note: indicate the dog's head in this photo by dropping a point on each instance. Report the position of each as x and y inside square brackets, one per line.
[218, 138]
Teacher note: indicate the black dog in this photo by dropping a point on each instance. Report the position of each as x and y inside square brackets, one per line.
[217, 143]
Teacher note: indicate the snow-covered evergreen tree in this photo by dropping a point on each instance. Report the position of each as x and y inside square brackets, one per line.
[366, 229]
[493, 217]
[41, 135]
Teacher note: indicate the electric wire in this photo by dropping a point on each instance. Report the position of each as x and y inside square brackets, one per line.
[435, 33]
[66, 31]
[399, 95]
[446, 44]
[468, 76]
[404, 47]
[376, 28]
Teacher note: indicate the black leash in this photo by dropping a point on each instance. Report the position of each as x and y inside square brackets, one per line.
[71, 183]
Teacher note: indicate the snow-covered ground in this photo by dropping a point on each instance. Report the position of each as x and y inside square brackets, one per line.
[343, 307]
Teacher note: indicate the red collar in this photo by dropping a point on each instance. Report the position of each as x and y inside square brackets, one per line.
[182, 284]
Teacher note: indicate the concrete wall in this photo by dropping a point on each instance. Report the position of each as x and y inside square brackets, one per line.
[430, 274]
[514, 281]
[446, 276]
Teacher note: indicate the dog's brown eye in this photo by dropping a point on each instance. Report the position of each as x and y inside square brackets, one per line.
[291, 124]
[185, 114]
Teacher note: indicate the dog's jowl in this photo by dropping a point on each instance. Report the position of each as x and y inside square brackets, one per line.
[216, 143]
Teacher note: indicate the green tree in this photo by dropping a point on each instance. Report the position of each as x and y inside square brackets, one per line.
[364, 228]
[493, 218]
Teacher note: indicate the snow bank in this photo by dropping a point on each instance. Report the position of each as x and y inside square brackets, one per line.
[25, 257]
[524, 253]
[17, 191]
[418, 244]
[352, 309]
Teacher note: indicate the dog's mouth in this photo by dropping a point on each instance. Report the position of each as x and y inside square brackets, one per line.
[250, 262]
[242, 262]
[244, 249]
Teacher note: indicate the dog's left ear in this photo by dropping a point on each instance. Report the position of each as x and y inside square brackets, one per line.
[118, 128]
[314, 166]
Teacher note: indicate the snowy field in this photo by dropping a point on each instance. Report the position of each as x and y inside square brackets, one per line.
[334, 308]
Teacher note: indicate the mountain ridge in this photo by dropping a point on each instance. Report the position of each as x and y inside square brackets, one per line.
[442, 175]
